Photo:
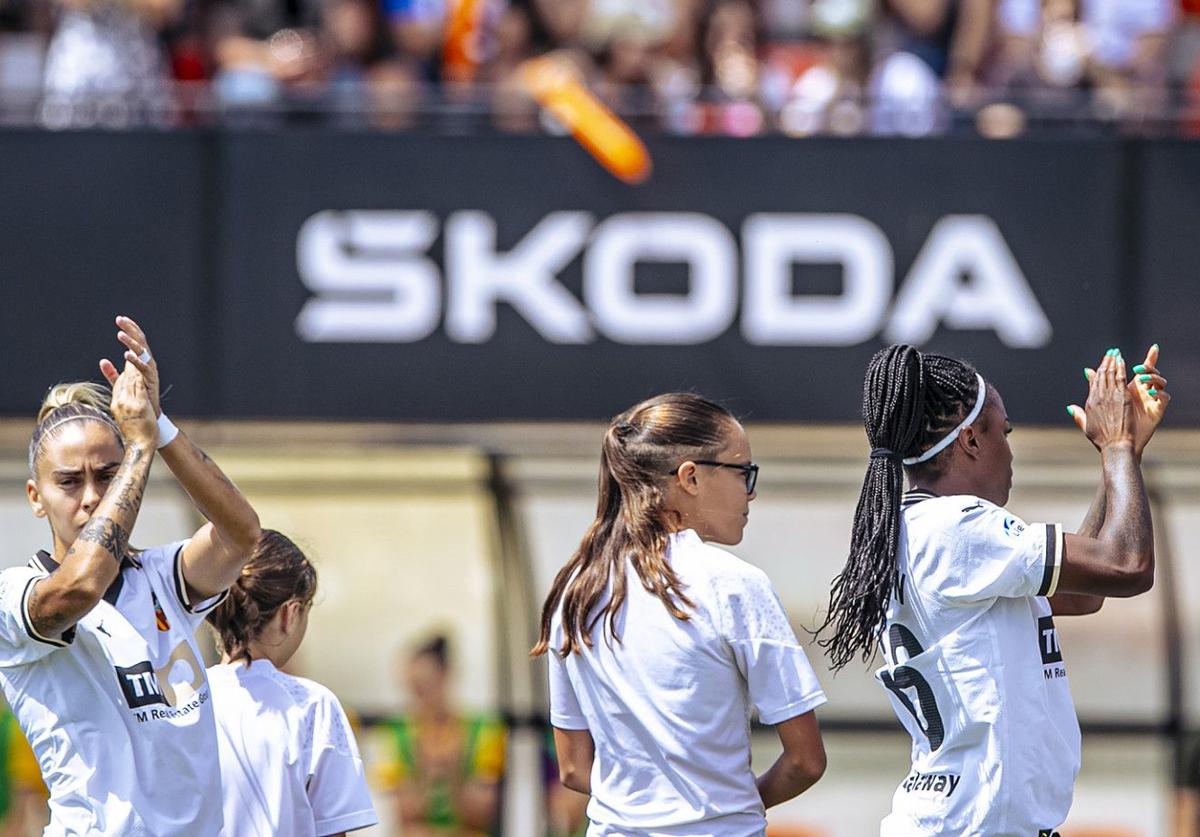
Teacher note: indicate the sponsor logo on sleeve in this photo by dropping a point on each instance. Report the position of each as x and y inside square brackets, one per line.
[1013, 527]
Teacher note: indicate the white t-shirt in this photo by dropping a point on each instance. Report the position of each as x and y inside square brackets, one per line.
[117, 711]
[669, 707]
[975, 673]
[289, 762]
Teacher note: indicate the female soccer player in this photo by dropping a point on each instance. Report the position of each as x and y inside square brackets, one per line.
[659, 644]
[289, 762]
[97, 657]
[962, 595]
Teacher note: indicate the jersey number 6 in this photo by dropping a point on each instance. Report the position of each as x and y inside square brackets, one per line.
[903, 677]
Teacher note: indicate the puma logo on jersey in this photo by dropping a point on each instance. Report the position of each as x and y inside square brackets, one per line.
[936, 782]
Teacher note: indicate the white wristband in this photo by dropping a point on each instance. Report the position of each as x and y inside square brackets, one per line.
[167, 431]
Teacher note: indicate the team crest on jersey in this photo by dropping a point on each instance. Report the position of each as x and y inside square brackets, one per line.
[160, 617]
[1013, 527]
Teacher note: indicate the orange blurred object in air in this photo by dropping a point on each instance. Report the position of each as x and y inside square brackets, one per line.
[460, 51]
[556, 86]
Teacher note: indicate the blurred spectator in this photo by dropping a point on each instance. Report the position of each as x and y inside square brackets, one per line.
[831, 95]
[23, 794]
[327, 57]
[739, 67]
[566, 810]
[104, 65]
[1186, 815]
[446, 766]
[1115, 47]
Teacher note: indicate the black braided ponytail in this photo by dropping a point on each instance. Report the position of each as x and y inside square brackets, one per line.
[910, 400]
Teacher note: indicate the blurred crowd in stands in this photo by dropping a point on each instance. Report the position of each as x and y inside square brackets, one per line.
[741, 67]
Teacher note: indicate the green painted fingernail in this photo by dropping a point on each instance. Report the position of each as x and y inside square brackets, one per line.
[1071, 412]
[1085, 374]
[1141, 367]
[1144, 377]
[1152, 391]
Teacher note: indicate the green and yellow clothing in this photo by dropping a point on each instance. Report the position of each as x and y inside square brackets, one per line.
[475, 744]
[21, 772]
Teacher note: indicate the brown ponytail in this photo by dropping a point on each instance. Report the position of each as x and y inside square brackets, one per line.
[641, 447]
[277, 573]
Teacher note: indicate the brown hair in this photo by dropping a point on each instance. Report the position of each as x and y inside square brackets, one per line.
[436, 648]
[64, 403]
[277, 572]
[641, 447]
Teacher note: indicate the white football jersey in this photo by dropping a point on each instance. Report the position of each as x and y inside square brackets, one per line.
[117, 710]
[974, 671]
[289, 762]
[669, 706]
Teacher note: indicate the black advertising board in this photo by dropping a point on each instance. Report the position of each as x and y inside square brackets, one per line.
[357, 275]
[91, 226]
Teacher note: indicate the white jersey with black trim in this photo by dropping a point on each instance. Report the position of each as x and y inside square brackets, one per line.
[117, 710]
[289, 761]
[974, 671]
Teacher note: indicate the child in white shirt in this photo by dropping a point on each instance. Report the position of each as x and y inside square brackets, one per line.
[289, 761]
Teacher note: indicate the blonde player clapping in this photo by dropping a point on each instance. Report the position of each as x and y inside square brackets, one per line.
[289, 762]
[659, 643]
[97, 657]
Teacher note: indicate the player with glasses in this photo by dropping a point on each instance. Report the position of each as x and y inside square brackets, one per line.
[660, 642]
[750, 471]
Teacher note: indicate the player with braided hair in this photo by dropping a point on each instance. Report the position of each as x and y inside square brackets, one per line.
[961, 595]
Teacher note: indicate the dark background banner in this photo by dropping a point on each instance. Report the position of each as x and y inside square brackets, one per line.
[200, 235]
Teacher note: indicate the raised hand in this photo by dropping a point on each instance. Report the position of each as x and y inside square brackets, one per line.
[1109, 414]
[132, 410]
[1148, 390]
[137, 353]
[1150, 400]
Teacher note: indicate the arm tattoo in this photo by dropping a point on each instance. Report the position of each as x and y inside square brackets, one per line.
[46, 622]
[106, 532]
[131, 489]
[129, 499]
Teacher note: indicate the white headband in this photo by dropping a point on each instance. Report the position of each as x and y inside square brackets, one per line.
[93, 415]
[953, 434]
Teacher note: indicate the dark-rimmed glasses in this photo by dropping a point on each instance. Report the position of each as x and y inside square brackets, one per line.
[749, 472]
